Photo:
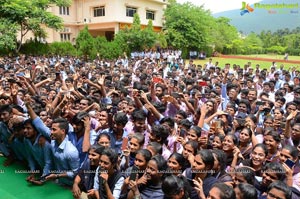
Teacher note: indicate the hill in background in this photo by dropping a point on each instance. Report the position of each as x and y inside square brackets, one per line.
[265, 19]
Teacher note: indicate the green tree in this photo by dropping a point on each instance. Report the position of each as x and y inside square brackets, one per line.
[31, 15]
[85, 43]
[108, 49]
[136, 39]
[149, 36]
[223, 34]
[62, 48]
[237, 46]
[7, 35]
[253, 44]
[187, 26]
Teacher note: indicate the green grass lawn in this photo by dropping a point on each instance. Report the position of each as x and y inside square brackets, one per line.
[242, 62]
[14, 186]
[273, 56]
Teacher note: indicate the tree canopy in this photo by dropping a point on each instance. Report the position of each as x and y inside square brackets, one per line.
[28, 15]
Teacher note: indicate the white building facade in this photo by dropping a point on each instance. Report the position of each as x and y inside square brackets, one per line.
[104, 17]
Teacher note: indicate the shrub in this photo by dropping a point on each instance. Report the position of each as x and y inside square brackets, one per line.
[62, 48]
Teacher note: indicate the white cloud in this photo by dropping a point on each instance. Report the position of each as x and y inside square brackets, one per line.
[219, 5]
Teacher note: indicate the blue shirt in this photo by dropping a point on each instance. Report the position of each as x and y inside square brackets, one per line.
[38, 156]
[17, 146]
[114, 143]
[224, 96]
[77, 142]
[4, 137]
[66, 159]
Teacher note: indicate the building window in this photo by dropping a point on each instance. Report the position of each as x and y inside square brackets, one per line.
[150, 14]
[130, 11]
[99, 11]
[65, 36]
[64, 10]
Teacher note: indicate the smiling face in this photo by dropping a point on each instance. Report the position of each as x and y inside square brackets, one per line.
[252, 95]
[94, 157]
[104, 141]
[192, 135]
[258, 157]
[270, 143]
[242, 108]
[174, 165]
[152, 171]
[217, 143]
[228, 144]
[268, 177]
[139, 125]
[105, 163]
[103, 117]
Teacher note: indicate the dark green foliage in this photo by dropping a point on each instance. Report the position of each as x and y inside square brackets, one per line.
[62, 48]
[35, 48]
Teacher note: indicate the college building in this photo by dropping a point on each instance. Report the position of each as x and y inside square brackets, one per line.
[104, 17]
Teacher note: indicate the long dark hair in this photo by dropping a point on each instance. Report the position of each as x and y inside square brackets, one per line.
[173, 185]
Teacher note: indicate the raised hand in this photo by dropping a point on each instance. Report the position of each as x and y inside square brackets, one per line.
[101, 80]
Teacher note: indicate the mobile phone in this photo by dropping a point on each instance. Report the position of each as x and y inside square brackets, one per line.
[182, 133]
[11, 80]
[156, 79]
[124, 143]
[57, 75]
[191, 182]
[240, 121]
[259, 103]
[168, 98]
[282, 125]
[204, 133]
[43, 178]
[133, 173]
[289, 163]
[108, 77]
[218, 124]
[202, 83]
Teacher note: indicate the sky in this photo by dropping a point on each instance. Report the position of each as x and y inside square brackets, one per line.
[219, 5]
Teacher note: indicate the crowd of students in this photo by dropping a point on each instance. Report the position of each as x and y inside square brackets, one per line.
[152, 126]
